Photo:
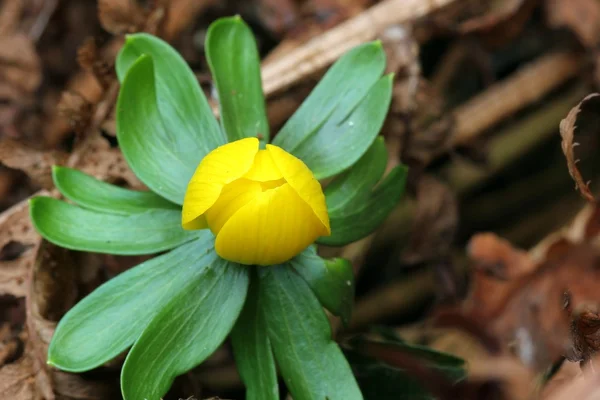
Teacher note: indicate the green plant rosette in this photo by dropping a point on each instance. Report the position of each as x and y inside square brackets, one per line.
[176, 309]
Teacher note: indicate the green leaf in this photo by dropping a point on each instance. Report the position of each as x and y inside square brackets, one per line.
[116, 313]
[76, 228]
[164, 123]
[353, 223]
[352, 188]
[252, 349]
[338, 145]
[235, 66]
[186, 331]
[311, 364]
[97, 195]
[344, 113]
[332, 281]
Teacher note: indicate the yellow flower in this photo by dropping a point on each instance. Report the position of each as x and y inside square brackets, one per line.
[264, 206]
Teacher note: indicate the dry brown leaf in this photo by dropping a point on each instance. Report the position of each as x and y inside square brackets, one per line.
[568, 144]
[181, 13]
[580, 16]
[544, 304]
[53, 290]
[76, 109]
[90, 58]
[19, 380]
[494, 257]
[37, 164]
[20, 66]
[10, 13]
[16, 230]
[573, 383]
[95, 157]
[121, 16]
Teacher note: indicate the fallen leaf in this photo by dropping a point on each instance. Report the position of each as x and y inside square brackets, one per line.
[16, 230]
[18, 381]
[37, 164]
[574, 383]
[568, 144]
[76, 109]
[20, 66]
[543, 304]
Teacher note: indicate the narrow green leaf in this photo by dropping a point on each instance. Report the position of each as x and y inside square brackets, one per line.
[351, 224]
[352, 188]
[344, 85]
[76, 228]
[97, 195]
[332, 281]
[451, 366]
[235, 66]
[311, 364]
[164, 124]
[384, 382]
[115, 314]
[337, 145]
[252, 349]
[186, 331]
[379, 378]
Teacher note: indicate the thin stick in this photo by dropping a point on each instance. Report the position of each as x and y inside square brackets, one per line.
[393, 299]
[324, 49]
[514, 142]
[523, 88]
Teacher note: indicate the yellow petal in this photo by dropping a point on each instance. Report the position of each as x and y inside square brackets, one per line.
[233, 197]
[264, 168]
[220, 167]
[271, 229]
[302, 180]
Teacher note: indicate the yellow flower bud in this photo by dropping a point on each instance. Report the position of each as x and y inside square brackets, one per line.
[264, 206]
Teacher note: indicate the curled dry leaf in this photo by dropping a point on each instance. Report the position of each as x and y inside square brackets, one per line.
[54, 286]
[568, 144]
[580, 16]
